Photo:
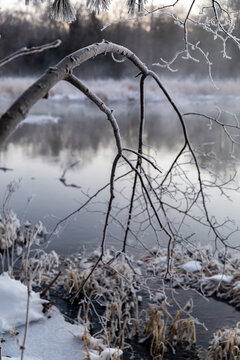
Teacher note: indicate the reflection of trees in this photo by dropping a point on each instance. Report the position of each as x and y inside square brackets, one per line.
[71, 133]
[81, 129]
[86, 131]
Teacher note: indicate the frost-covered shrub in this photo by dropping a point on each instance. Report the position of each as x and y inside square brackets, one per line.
[41, 266]
[211, 274]
[114, 286]
[21, 250]
[111, 274]
[9, 231]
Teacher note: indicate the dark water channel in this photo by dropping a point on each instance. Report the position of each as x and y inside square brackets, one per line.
[212, 315]
[57, 134]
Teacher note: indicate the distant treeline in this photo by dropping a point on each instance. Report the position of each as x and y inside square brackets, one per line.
[154, 37]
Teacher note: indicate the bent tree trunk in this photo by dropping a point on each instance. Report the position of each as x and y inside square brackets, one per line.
[19, 110]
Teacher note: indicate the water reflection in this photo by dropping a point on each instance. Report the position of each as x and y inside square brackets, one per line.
[82, 129]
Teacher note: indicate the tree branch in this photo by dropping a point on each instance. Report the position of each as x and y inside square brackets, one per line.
[19, 110]
[27, 51]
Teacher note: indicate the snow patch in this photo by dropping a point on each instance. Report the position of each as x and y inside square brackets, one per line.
[13, 304]
[191, 266]
[50, 338]
[220, 278]
[107, 354]
[18, 358]
[160, 260]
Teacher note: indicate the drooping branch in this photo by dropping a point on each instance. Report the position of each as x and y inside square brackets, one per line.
[94, 98]
[139, 160]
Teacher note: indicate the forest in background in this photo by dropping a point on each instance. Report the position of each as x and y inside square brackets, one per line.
[151, 37]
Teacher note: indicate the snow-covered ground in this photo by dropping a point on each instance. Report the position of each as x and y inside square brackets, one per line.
[127, 89]
[49, 336]
[13, 304]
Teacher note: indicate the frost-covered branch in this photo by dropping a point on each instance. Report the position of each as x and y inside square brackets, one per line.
[27, 51]
[19, 110]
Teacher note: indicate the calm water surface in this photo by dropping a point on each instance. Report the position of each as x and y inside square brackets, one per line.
[57, 134]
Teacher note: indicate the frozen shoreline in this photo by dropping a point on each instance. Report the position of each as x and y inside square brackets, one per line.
[66, 341]
[110, 90]
[49, 336]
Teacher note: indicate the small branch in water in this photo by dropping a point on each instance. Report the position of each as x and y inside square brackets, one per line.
[62, 178]
[63, 181]
[5, 169]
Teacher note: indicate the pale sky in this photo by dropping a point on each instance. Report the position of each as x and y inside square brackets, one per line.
[20, 4]
[116, 11]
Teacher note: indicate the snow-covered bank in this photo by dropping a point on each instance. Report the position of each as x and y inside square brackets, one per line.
[126, 89]
[13, 304]
[50, 337]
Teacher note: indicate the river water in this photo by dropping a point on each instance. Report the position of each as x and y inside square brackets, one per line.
[59, 133]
